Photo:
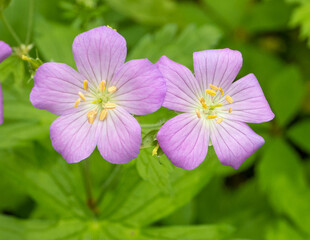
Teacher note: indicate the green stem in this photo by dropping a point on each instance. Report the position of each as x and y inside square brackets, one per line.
[87, 184]
[11, 30]
[108, 182]
[30, 20]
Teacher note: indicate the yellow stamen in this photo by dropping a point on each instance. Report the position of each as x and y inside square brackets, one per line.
[211, 116]
[112, 89]
[85, 84]
[92, 112]
[82, 96]
[214, 87]
[155, 150]
[221, 90]
[210, 92]
[103, 115]
[229, 99]
[110, 105]
[77, 102]
[219, 120]
[203, 103]
[230, 110]
[102, 85]
[91, 116]
[198, 113]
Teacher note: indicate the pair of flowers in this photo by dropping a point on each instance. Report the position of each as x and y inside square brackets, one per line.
[96, 103]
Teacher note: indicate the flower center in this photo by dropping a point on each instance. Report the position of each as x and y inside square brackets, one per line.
[211, 105]
[99, 99]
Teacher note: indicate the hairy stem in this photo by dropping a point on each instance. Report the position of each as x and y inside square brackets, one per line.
[30, 21]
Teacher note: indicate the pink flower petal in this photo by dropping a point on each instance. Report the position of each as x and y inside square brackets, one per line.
[56, 88]
[182, 88]
[73, 137]
[140, 87]
[234, 142]
[250, 104]
[218, 67]
[119, 136]
[184, 139]
[98, 53]
[5, 51]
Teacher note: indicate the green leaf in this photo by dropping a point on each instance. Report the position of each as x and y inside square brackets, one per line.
[12, 67]
[75, 229]
[137, 203]
[301, 18]
[4, 4]
[55, 41]
[154, 169]
[287, 92]
[282, 177]
[199, 232]
[299, 133]
[231, 13]
[153, 12]
[53, 188]
[262, 17]
[282, 230]
[178, 47]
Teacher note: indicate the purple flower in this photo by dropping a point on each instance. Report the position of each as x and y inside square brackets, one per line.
[215, 110]
[96, 103]
[5, 52]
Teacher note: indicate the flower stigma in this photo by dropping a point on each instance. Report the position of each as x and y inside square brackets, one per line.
[212, 103]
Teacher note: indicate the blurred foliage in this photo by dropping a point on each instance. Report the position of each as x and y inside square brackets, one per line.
[43, 197]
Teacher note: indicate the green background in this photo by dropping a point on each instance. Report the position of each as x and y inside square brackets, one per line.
[43, 197]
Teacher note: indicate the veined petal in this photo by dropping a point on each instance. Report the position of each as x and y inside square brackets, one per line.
[119, 136]
[182, 88]
[98, 53]
[234, 142]
[184, 139]
[5, 51]
[73, 137]
[56, 87]
[218, 67]
[140, 87]
[1, 106]
[250, 104]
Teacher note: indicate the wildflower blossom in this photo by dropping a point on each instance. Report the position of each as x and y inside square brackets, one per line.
[96, 103]
[214, 110]
[5, 52]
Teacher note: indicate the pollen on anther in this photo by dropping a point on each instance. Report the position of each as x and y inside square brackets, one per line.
[229, 99]
[103, 115]
[230, 110]
[77, 102]
[112, 89]
[211, 116]
[85, 84]
[82, 96]
[219, 120]
[210, 92]
[110, 105]
[102, 85]
[213, 87]
[221, 90]
[91, 116]
[198, 113]
[203, 103]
